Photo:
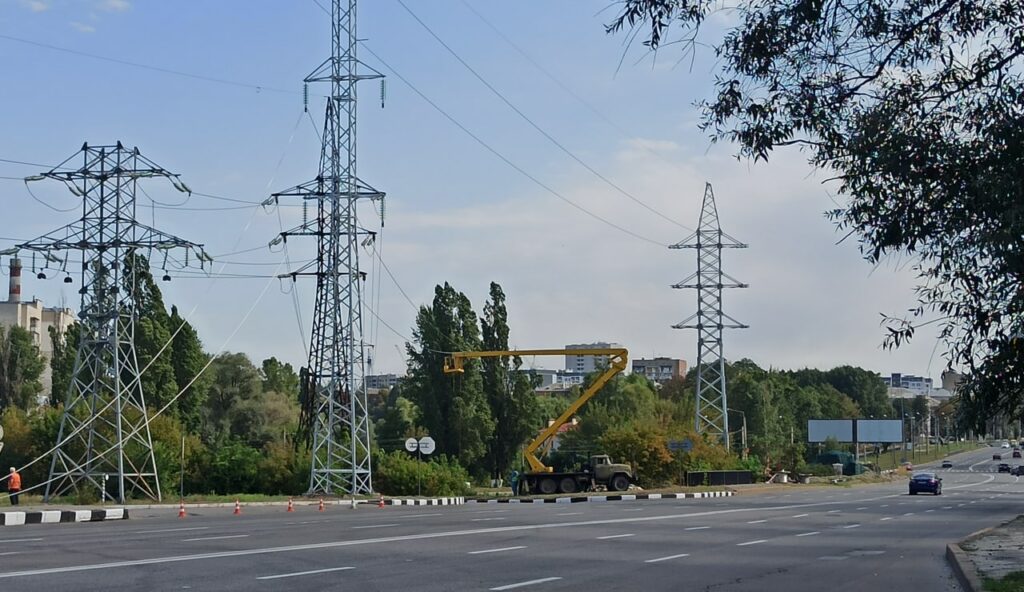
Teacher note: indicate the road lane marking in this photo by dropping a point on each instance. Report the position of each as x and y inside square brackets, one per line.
[492, 519]
[633, 510]
[419, 515]
[19, 540]
[391, 539]
[570, 514]
[521, 584]
[10, 553]
[757, 542]
[667, 558]
[931, 510]
[812, 533]
[833, 558]
[886, 518]
[304, 573]
[171, 530]
[852, 526]
[697, 528]
[756, 521]
[216, 538]
[799, 515]
[614, 536]
[947, 507]
[499, 550]
[863, 508]
[372, 526]
[833, 511]
[909, 514]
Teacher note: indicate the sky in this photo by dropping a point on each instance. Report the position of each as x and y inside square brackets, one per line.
[479, 168]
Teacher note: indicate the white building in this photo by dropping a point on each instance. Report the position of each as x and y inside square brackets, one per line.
[588, 363]
[37, 320]
[660, 370]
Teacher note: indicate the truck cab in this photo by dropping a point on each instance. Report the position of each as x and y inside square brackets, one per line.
[616, 476]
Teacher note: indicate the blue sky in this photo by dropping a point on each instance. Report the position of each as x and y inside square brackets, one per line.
[455, 212]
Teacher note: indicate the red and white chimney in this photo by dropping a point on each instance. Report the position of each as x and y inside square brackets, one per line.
[14, 294]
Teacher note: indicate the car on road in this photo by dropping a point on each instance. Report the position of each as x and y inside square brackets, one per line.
[1017, 470]
[997, 456]
[1005, 444]
[1003, 468]
[925, 482]
[947, 464]
[1016, 454]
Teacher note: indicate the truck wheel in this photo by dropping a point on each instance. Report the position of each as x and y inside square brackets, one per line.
[567, 485]
[619, 483]
[548, 486]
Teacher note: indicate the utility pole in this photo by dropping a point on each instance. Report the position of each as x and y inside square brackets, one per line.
[105, 425]
[334, 410]
[709, 320]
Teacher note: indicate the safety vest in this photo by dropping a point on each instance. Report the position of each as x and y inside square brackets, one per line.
[15, 482]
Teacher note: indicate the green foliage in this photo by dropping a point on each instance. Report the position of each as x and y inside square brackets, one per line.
[188, 360]
[279, 377]
[508, 389]
[21, 365]
[925, 142]
[396, 473]
[453, 408]
[645, 450]
[62, 361]
[232, 467]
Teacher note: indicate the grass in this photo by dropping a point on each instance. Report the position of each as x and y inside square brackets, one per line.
[893, 459]
[1012, 582]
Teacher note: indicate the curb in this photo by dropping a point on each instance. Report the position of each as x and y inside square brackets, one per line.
[61, 516]
[439, 501]
[963, 568]
[606, 498]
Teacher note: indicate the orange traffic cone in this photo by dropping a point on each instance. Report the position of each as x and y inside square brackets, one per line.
[290, 507]
[321, 505]
[238, 508]
[181, 509]
[380, 501]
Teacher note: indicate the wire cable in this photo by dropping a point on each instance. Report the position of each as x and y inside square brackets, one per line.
[534, 124]
[505, 159]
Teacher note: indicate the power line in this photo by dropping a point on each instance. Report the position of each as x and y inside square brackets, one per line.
[504, 158]
[534, 124]
[257, 87]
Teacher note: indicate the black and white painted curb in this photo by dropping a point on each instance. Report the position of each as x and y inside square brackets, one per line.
[606, 498]
[439, 501]
[58, 516]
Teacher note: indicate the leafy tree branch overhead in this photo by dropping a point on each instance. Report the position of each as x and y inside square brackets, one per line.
[916, 109]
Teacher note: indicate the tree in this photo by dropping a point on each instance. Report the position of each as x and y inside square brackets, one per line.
[152, 332]
[234, 380]
[21, 365]
[62, 361]
[453, 407]
[914, 107]
[188, 359]
[509, 390]
[279, 377]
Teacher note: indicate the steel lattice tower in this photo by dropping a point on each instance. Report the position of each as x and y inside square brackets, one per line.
[104, 429]
[709, 320]
[334, 398]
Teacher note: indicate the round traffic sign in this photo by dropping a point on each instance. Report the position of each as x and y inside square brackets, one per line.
[411, 444]
[426, 444]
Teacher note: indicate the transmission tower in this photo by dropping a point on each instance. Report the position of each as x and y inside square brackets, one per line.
[709, 320]
[104, 430]
[333, 390]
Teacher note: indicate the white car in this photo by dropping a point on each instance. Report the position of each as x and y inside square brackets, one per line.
[1005, 445]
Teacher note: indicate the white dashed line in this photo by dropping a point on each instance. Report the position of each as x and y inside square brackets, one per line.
[521, 584]
[757, 521]
[812, 533]
[697, 528]
[667, 558]
[171, 530]
[216, 538]
[799, 515]
[852, 526]
[614, 536]
[373, 526]
[304, 573]
[886, 518]
[499, 550]
[757, 542]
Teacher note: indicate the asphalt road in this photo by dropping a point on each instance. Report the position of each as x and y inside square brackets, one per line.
[792, 538]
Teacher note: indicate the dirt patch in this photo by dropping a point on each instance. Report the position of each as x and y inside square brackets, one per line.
[997, 551]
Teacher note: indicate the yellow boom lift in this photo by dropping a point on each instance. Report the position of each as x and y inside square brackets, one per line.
[542, 478]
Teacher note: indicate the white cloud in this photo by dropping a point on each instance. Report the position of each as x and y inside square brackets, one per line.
[82, 27]
[36, 5]
[115, 5]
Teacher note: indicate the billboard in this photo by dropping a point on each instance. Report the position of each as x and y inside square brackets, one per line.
[879, 430]
[819, 430]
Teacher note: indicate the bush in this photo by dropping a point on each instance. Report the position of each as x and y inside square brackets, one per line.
[396, 473]
[819, 470]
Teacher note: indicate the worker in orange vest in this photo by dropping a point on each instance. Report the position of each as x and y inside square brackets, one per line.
[14, 486]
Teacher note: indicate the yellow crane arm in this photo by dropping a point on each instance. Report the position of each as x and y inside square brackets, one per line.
[616, 363]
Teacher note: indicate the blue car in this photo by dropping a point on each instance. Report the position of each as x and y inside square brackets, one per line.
[925, 482]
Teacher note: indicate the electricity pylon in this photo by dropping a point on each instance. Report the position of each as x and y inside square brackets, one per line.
[709, 320]
[334, 409]
[104, 430]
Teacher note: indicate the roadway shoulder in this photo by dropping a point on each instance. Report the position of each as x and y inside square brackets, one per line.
[61, 516]
[625, 497]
